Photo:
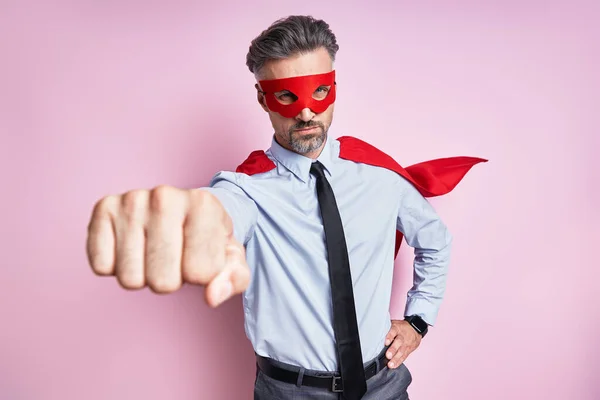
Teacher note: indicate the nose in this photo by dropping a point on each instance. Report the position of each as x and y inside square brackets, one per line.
[305, 115]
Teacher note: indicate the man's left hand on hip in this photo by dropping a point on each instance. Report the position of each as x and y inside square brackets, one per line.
[404, 340]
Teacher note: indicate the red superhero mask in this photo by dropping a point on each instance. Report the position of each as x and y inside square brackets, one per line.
[316, 92]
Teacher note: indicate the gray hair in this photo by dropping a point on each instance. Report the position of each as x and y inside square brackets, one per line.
[289, 36]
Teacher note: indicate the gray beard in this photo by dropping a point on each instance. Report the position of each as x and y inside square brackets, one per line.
[303, 144]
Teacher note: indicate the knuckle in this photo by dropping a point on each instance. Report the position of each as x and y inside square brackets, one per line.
[104, 207]
[201, 275]
[241, 278]
[209, 205]
[133, 204]
[235, 251]
[163, 283]
[203, 201]
[98, 267]
[162, 198]
[199, 196]
[130, 281]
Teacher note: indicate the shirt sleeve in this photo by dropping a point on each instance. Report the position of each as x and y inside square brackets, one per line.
[240, 207]
[428, 235]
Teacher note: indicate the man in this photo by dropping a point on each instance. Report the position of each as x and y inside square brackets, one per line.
[307, 231]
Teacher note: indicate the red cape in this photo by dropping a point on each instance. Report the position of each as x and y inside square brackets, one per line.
[431, 178]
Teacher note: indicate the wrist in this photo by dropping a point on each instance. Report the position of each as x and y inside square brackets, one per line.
[418, 324]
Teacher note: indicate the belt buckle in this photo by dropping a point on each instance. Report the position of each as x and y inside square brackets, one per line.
[336, 384]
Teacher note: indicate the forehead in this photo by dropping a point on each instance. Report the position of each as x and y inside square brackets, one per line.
[314, 62]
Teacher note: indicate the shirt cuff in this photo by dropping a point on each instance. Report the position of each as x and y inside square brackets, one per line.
[423, 308]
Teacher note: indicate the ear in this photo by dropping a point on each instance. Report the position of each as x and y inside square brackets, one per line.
[260, 97]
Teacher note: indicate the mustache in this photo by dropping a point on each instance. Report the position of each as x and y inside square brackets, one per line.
[307, 124]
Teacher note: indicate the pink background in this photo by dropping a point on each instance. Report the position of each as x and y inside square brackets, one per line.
[102, 97]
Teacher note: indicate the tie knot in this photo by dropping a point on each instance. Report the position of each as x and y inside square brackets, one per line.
[317, 169]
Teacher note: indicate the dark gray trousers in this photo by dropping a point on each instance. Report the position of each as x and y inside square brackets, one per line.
[387, 384]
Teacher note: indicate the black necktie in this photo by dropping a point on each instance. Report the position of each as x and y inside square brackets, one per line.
[345, 325]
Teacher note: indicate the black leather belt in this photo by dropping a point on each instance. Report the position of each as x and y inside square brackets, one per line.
[330, 381]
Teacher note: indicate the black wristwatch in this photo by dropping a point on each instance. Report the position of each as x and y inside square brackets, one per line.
[417, 322]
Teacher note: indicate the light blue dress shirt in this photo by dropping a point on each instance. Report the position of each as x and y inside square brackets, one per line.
[287, 306]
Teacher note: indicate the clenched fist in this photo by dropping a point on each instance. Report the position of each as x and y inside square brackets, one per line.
[164, 237]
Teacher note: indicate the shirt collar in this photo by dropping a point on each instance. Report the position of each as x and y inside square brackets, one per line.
[300, 165]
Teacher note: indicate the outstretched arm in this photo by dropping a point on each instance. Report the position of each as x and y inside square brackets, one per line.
[166, 236]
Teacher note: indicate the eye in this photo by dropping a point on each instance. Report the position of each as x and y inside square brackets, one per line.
[286, 97]
[321, 92]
